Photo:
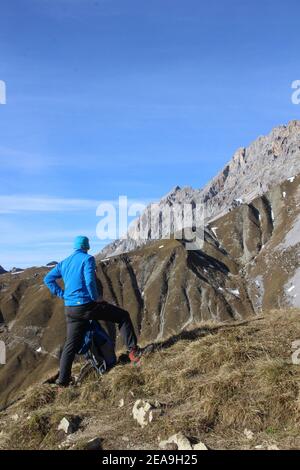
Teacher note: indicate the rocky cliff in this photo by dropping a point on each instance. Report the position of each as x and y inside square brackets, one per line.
[250, 173]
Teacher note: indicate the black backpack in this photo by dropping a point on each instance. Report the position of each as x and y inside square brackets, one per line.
[98, 349]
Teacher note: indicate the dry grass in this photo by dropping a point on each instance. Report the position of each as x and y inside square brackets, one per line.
[38, 396]
[213, 387]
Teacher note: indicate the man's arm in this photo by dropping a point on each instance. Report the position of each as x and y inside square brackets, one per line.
[90, 278]
[50, 281]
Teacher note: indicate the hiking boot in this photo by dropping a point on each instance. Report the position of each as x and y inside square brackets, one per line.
[135, 356]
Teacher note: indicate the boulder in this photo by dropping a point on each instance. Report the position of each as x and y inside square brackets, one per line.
[249, 434]
[200, 446]
[144, 412]
[141, 412]
[68, 425]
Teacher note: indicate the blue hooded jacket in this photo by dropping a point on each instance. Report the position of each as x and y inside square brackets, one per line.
[79, 276]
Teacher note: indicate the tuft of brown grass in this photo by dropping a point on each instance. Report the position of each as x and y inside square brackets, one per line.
[38, 397]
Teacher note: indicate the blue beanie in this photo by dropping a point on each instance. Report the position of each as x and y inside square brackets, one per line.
[81, 243]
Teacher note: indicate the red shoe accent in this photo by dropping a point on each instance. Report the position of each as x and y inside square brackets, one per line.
[135, 356]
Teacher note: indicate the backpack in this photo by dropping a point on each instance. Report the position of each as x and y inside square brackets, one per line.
[98, 348]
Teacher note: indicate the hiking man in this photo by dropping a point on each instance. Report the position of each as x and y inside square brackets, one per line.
[83, 302]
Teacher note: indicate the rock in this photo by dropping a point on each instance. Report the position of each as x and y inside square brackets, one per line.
[16, 270]
[171, 446]
[15, 417]
[144, 412]
[121, 403]
[295, 357]
[200, 446]
[68, 425]
[295, 344]
[93, 444]
[178, 442]
[249, 434]
[141, 412]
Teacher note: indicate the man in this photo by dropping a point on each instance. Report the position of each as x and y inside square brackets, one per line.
[83, 302]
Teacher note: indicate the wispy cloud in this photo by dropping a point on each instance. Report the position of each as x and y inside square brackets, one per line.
[12, 204]
[22, 203]
[25, 161]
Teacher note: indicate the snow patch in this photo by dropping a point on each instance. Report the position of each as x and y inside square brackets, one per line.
[272, 215]
[214, 229]
[234, 292]
[292, 290]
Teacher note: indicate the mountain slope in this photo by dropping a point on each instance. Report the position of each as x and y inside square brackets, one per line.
[231, 386]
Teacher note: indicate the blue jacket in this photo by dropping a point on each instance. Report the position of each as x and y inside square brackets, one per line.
[79, 276]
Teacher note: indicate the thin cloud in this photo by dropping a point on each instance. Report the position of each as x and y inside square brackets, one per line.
[19, 203]
[23, 161]
[12, 204]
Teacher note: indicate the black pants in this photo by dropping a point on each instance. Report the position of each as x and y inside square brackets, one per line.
[77, 321]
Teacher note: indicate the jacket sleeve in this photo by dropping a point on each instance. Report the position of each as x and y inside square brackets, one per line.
[50, 281]
[90, 278]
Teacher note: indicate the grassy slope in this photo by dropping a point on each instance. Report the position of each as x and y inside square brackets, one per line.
[214, 381]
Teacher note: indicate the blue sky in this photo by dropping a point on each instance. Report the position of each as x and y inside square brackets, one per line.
[123, 97]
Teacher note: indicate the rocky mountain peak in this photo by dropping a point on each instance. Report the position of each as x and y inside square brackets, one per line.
[266, 162]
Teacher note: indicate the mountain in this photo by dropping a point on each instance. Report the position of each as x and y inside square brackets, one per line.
[248, 265]
[251, 172]
[2, 270]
